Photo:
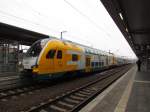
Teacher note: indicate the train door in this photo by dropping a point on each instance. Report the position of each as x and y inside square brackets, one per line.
[88, 64]
[107, 60]
[48, 64]
[58, 61]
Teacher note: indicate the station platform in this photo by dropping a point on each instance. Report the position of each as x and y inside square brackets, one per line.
[130, 93]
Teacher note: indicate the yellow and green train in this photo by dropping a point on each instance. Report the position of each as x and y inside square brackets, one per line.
[50, 58]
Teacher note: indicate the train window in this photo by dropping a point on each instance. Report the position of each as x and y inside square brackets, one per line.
[74, 57]
[87, 61]
[86, 51]
[92, 64]
[96, 64]
[99, 63]
[36, 48]
[51, 54]
[59, 54]
[102, 63]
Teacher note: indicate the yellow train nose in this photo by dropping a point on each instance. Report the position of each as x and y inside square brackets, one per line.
[35, 70]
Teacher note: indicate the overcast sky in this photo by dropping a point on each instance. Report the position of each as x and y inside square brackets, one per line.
[86, 22]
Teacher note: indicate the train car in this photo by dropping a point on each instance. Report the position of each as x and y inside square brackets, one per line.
[51, 58]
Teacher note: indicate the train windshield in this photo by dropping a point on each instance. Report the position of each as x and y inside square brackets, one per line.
[36, 48]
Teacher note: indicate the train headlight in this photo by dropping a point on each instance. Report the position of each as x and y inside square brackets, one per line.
[35, 69]
[34, 66]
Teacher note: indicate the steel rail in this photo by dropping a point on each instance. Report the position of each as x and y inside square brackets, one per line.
[64, 100]
[7, 93]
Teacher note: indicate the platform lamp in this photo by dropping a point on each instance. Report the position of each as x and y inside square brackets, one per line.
[62, 33]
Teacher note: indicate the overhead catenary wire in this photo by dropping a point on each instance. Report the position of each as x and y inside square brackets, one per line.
[89, 5]
[35, 12]
[26, 20]
[86, 17]
[31, 22]
[81, 39]
[38, 14]
[41, 15]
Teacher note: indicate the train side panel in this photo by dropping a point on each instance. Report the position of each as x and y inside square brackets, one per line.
[57, 57]
[66, 58]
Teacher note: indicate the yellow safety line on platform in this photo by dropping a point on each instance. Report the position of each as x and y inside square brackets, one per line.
[121, 107]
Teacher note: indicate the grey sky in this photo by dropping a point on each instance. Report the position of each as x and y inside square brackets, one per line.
[86, 21]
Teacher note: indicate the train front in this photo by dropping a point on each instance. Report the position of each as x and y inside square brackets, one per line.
[30, 60]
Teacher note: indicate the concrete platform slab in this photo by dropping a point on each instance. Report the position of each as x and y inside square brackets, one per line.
[140, 96]
[114, 98]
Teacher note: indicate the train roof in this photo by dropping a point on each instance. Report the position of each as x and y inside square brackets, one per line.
[87, 49]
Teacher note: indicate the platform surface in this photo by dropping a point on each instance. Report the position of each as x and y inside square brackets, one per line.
[139, 100]
[130, 93]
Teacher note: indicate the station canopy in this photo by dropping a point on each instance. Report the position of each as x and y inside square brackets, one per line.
[133, 19]
[23, 36]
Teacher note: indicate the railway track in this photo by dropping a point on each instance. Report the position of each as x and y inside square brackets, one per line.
[15, 86]
[7, 83]
[8, 93]
[74, 100]
[8, 78]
